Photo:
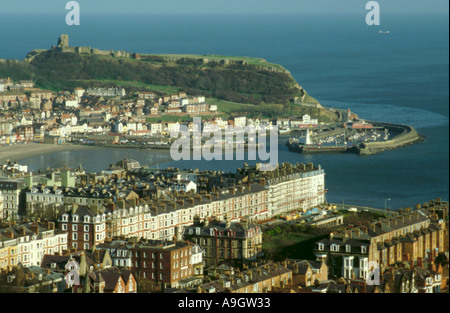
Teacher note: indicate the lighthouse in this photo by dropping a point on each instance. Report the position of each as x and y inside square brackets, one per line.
[308, 138]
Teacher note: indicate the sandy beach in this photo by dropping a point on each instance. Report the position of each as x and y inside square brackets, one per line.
[23, 151]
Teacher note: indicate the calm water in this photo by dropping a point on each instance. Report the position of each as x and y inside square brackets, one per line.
[401, 77]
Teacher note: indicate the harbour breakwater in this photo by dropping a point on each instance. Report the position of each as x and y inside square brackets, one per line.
[405, 135]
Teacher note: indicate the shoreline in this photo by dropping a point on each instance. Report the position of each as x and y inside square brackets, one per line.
[19, 152]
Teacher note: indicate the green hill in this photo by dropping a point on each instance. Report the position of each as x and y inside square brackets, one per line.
[242, 80]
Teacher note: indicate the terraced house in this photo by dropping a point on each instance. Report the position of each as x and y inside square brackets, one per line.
[409, 236]
[27, 243]
[290, 187]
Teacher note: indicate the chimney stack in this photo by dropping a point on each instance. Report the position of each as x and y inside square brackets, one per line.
[9, 233]
[227, 222]
[34, 228]
[244, 223]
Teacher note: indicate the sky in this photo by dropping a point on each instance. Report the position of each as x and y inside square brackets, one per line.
[224, 6]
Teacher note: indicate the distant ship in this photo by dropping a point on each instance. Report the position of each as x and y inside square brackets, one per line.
[385, 32]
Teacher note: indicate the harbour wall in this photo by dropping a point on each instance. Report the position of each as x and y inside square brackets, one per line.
[408, 135]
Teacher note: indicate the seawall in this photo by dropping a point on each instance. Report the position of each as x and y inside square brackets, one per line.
[408, 135]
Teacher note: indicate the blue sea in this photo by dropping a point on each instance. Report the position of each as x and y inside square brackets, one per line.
[401, 77]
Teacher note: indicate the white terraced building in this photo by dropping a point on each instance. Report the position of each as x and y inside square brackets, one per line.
[27, 243]
[294, 189]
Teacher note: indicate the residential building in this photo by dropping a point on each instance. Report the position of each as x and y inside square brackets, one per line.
[352, 253]
[112, 280]
[163, 264]
[27, 243]
[85, 227]
[31, 279]
[225, 241]
[307, 273]
[13, 201]
[262, 279]
[290, 187]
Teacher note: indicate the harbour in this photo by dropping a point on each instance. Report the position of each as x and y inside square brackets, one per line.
[377, 138]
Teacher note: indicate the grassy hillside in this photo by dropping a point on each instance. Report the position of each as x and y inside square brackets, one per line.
[238, 85]
[254, 81]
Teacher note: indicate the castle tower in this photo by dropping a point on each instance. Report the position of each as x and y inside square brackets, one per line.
[63, 41]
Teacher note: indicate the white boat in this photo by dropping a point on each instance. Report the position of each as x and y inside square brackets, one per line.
[284, 131]
[385, 32]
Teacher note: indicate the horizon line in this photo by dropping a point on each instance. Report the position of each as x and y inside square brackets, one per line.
[225, 13]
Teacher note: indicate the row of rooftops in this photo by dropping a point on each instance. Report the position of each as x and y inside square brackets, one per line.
[32, 230]
[145, 179]
[284, 172]
[361, 235]
[182, 201]
[248, 278]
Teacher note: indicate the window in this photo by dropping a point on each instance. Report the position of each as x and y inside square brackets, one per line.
[363, 249]
[74, 227]
[321, 246]
[348, 248]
